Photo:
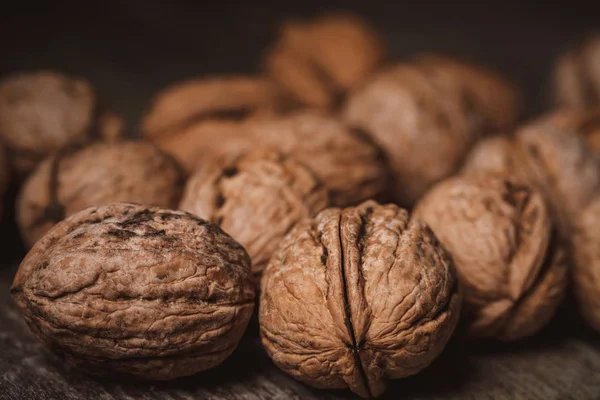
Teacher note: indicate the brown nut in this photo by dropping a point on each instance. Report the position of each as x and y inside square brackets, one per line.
[489, 101]
[357, 296]
[500, 237]
[583, 121]
[421, 129]
[352, 167]
[42, 112]
[194, 102]
[98, 174]
[140, 291]
[491, 154]
[257, 200]
[577, 75]
[317, 62]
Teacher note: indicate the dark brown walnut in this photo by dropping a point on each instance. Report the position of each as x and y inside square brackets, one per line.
[566, 170]
[358, 296]
[101, 173]
[130, 290]
[317, 62]
[583, 121]
[257, 200]
[194, 102]
[488, 100]
[42, 112]
[577, 75]
[352, 167]
[420, 127]
[508, 261]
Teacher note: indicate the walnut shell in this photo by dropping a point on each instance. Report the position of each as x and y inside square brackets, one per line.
[500, 237]
[42, 112]
[422, 130]
[352, 167]
[257, 200]
[132, 290]
[577, 75]
[317, 62]
[583, 121]
[491, 154]
[193, 102]
[357, 296]
[98, 174]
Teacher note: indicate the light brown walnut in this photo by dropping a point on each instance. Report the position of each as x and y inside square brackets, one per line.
[358, 296]
[256, 199]
[42, 112]
[130, 290]
[583, 121]
[317, 62]
[101, 173]
[507, 255]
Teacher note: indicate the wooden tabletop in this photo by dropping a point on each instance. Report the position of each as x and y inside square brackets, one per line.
[131, 49]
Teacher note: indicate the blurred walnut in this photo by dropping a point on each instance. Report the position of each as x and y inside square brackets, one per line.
[583, 121]
[346, 160]
[500, 237]
[491, 154]
[4, 176]
[317, 62]
[577, 75]
[98, 174]
[216, 99]
[357, 296]
[257, 199]
[490, 103]
[42, 112]
[130, 290]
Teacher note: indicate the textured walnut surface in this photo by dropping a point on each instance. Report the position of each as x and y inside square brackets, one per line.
[229, 98]
[357, 296]
[257, 200]
[98, 174]
[316, 62]
[145, 292]
[577, 75]
[499, 234]
[41, 112]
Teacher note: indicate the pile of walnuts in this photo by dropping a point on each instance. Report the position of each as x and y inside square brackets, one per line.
[364, 205]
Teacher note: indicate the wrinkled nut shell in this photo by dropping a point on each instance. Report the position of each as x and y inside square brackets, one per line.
[42, 112]
[357, 296]
[499, 235]
[317, 62]
[257, 200]
[130, 290]
[221, 98]
[102, 173]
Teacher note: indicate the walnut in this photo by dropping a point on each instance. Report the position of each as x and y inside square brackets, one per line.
[192, 103]
[257, 200]
[357, 296]
[507, 258]
[318, 61]
[491, 154]
[139, 291]
[100, 173]
[583, 121]
[42, 112]
[577, 75]
[561, 166]
[352, 167]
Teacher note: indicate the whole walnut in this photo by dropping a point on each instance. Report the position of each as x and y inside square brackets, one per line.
[257, 199]
[507, 257]
[101, 173]
[42, 112]
[213, 99]
[561, 166]
[357, 296]
[317, 62]
[138, 291]
[352, 167]
[583, 121]
[577, 75]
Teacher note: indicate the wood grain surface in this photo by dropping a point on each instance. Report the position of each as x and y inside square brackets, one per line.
[131, 49]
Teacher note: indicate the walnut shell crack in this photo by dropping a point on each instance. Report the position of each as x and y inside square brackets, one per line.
[140, 291]
[257, 200]
[509, 262]
[357, 296]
